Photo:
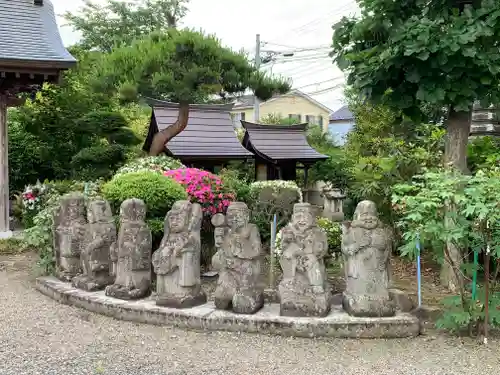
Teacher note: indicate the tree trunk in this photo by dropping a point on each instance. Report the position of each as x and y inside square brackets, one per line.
[161, 138]
[455, 154]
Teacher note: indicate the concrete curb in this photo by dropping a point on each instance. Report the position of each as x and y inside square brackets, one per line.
[337, 324]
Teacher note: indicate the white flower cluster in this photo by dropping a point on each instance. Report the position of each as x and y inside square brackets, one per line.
[32, 195]
[276, 185]
[159, 164]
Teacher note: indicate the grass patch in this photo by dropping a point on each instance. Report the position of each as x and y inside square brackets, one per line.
[11, 246]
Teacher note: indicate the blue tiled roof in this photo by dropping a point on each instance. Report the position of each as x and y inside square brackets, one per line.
[29, 32]
[342, 114]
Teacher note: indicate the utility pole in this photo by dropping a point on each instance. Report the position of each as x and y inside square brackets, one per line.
[256, 105]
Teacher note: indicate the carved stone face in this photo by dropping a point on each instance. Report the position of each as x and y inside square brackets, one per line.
[73, 207]
[133, 210]
[99, 211]
[302, 218]
[237, 216]
[218, 236]
[177, 221]
[366, 214]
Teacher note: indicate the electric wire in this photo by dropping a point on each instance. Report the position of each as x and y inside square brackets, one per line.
[334, 12]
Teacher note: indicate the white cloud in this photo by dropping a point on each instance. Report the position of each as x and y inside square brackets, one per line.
[297, 24]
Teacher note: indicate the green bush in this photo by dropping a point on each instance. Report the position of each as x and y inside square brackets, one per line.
[269, 198]
[157, 191]
[334, 232]
[39, 236]
[234, 183]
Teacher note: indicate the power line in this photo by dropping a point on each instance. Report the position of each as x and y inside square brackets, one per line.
[309, 68]
[305, 58]
[321, 82]
[324, 91]
[332, 13]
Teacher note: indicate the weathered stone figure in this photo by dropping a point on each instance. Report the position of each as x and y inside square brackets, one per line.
[366, 246]
[220, 229]
[133, 253]
[304, 290]
[177, 261]
[95, 256]
[239, 263]
[69, 235]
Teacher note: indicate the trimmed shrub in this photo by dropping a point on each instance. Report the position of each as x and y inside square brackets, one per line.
[158, 164]
[157, 191]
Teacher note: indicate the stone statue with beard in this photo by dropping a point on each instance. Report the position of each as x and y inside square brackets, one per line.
[238, 261]
[304, 290]
[177, 261]
[366, 246]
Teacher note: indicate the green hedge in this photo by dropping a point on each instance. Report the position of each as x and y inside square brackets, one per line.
[157, 191]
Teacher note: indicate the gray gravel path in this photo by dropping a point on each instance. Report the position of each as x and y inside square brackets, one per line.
[39, 336]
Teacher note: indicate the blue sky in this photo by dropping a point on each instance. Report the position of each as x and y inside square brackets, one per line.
[283, 26]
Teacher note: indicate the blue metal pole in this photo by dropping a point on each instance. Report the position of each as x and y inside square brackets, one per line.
[419, 273]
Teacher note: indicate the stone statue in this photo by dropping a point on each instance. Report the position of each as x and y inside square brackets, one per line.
[304, 290]
[220, 229]
[366, 246]
[95, 256]
[69, 235]
[133, 253]
[177, 261]
[238, 262]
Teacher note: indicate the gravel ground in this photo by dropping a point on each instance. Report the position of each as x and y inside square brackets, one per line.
[39, 336]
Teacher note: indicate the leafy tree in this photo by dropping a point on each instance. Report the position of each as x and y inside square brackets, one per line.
[383, 149]
[424, 216]
[181, 66]
[413, 54]
[70, 131]
[102, 27]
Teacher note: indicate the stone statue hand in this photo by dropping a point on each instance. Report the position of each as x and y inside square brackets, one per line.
[317, 289]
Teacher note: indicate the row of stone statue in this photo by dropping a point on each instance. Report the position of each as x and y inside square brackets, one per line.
[91, 255]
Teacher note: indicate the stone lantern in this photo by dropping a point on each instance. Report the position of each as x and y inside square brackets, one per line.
[31, 53]
[333, 203]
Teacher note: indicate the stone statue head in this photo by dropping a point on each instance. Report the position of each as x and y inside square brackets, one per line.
[177, 218]
[303, 216]
[219, 223]
[366, 215]
[238, 215]
[184, 217]
[99, 211]
[72, 207]
[133, 210]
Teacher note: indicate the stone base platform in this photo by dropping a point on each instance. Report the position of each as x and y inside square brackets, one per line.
[337, 324]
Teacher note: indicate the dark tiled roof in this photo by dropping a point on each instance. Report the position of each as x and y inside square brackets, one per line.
[209, 133]
[29, 33]
[342, 114]
[280, 142]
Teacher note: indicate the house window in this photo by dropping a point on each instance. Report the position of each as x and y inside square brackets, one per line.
[295, 117]
[310, 119]
[320, 121]
[242, 116]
